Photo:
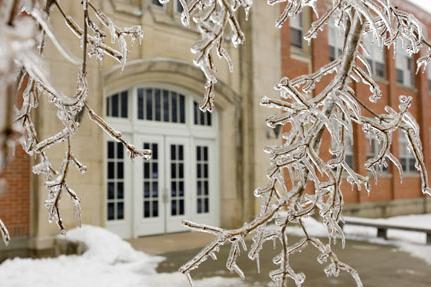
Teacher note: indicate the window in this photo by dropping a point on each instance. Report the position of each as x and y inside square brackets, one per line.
[335, 41]
[117, 105]
[376, 56]
[161, 105]
[115, 181]
[349, 153]
[407, 158]
[297, 31]
[404, 67]
[201, 118]
[373, 149]
[202, 179]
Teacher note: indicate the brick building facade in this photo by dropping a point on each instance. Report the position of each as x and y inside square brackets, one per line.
[396, 74]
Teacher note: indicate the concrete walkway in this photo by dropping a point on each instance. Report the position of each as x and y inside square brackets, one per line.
[378, 266]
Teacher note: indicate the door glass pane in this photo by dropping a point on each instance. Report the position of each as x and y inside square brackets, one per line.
[202, 179]
[177, 180]
[115, 181]
[151, 183]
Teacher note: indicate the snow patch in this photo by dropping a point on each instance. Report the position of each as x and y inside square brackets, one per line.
[107, 262]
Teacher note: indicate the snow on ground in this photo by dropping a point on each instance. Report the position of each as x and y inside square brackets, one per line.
[411, 242]
[108, 262]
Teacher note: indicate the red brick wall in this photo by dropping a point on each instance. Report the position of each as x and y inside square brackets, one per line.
[388, 187]
[15, 198]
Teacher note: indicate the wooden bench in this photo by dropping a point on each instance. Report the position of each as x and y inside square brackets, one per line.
[382, 228]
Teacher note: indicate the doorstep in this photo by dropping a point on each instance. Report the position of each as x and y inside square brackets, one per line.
[169, 242]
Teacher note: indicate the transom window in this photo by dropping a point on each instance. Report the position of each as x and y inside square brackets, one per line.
[117, 105]
[161, 105]
[201, 118]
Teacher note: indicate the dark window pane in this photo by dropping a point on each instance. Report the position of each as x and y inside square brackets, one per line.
[173, 170]
[181, 188]
[199, 187]
[120, 153]
[205, 153]
[155, 193]
[146, 209]
[198, 153]
[173, 189]
[158, 105]
[199, 170]
[124, 104]
[206, 187]
[120, 210]
[296, 37]
[111, 169]
[111, 190]
[199, 203]
[120, 190]
[174, 107]
[140, 104]
[155, 173]
[173, 207]
[332, 53]
[205, 170]
[400, 76]
[206, 205]
[173, 152]
[111, 211]
[155, 208]
[111, 146]
[195, 113]
[149, 104]
[108, 106]
[404, 164]
[181, 211]
[120, 170]
[165, 106]
[209, 119]
[412, 163]
[146, 189]
[146, 170]
[380, 70]
[154, 149]
[202, 118]
[146, 145]
[182, 110]
[180, 152]
[180, 170]
[114, 105]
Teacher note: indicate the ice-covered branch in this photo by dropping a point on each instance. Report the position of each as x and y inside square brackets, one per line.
[25, 27]
[306, 113]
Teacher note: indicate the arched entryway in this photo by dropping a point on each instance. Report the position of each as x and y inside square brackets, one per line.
[180, 181]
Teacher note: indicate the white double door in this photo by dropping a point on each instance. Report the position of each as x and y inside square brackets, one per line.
[175, 184]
